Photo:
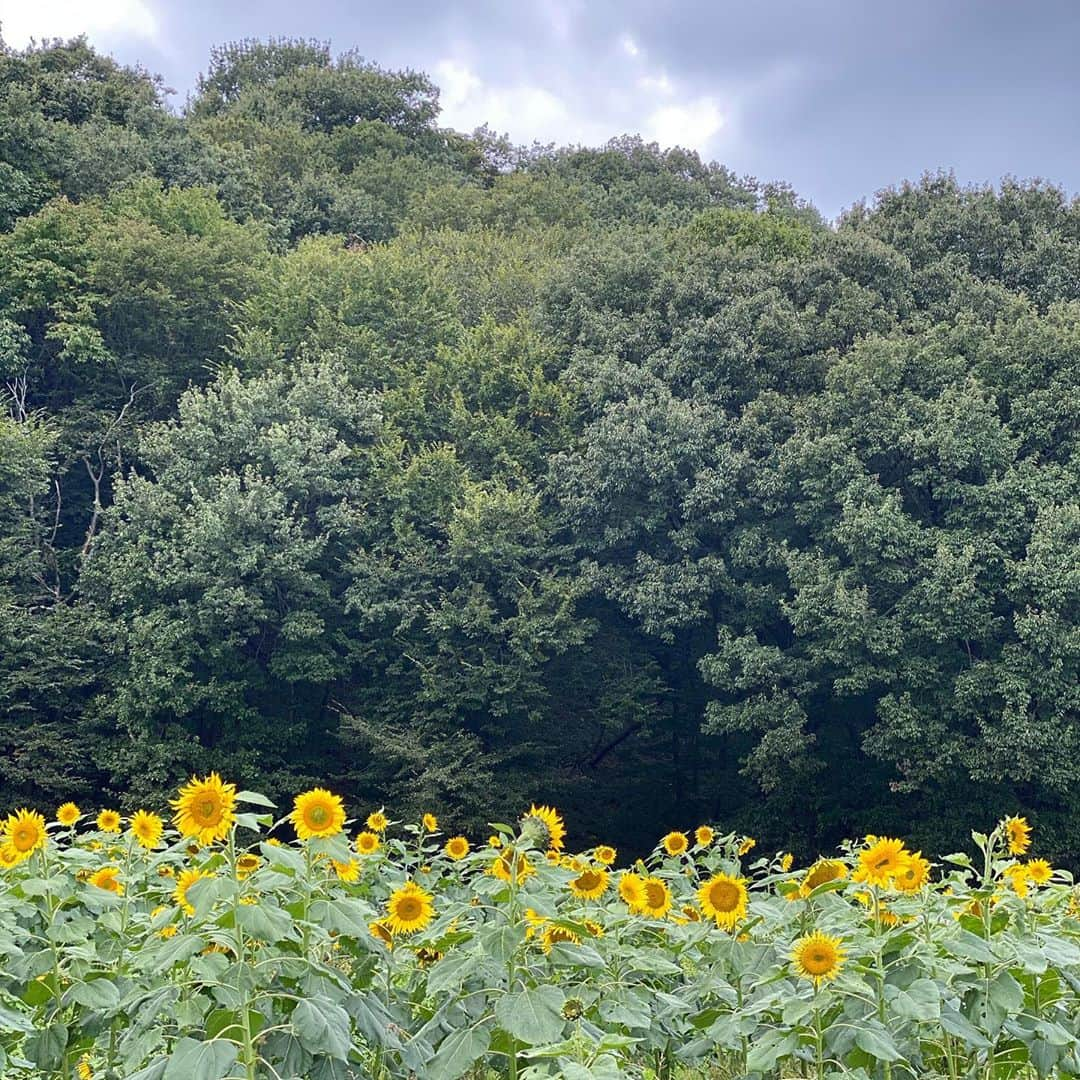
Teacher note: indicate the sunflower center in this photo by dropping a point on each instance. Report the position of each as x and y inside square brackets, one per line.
[24, 838]
[654, 894]
[318, 815]
[818, 960]
[409, 908]
[589, 880]
[209, 810]
[724, 896]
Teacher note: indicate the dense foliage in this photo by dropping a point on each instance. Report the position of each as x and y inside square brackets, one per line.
[212, 950]
[339, 445]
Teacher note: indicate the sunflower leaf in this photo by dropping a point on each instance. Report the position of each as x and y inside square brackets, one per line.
[533, 1016]
[255, 799]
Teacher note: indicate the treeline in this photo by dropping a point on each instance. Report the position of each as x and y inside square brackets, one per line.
[341, 447]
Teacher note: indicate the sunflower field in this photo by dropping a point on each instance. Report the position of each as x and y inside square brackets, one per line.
[210, 947]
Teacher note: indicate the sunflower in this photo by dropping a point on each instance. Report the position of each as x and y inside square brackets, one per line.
[9, 857]
[147, 829]
[346, 871]
[914, 874]
[675, 843]
[83, 1070]
[184, 882]
[1018, 879]
[1018, 834]
[205, 809]
[511, 862]
[68, 814]
[534, 922]
[409, 909]
[381, 932]
[656, 898]
[632, 890]
[457, 847]
[430, 822]
[495, 841]
[704, 835]
[107, 878]
[748, 844]
[605, 855]
[1039, 871]
[590, 884]
[317, 814]
[543, 826]
[786, 862]
[426, 957]
[818, 957]
[367, 843]
[823, 871]
[558, 935]
[25, 833]
[377, 821]
[724, 898]
[109, 821]
[246, 865]
[882, 861]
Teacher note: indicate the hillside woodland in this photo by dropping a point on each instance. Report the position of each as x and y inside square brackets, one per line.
[338, 447]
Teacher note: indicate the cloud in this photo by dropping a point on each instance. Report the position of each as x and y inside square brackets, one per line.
[656, 84]
[629, 45]
[530, 112]
[526, 111]
[101, 20]
[691, 124]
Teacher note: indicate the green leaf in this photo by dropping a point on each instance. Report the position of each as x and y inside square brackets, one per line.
[533, 1016]
[46, 1048]
[283, 856]
[500, 942]
[14, 1021]
[458, 1052]
[450, 972]
[920, 1001]
[769, 1049]
[265, 922]
[175, 951]
[957, 1024]
[322, 1027]
[229, 1023]
[971, 947]
[1006, 993]
[154, 1071]
[255, 799]
[194, 1060]
[1061, 951]
[100, 993]
[876, 1041]
[572, 1070]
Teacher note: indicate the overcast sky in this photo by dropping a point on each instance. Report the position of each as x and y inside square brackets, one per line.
[838, 97]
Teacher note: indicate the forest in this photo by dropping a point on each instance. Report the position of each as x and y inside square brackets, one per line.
[342, 448]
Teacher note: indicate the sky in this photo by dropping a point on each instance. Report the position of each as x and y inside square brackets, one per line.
[840, 98]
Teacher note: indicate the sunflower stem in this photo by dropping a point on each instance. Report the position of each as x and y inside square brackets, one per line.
[819, 1035]
[879, 957]
[309, 860]
[250, 1059]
